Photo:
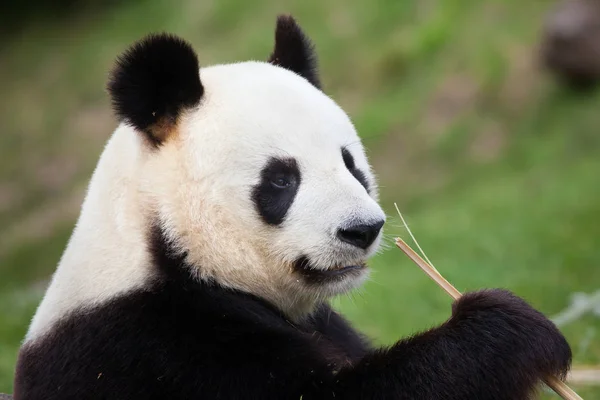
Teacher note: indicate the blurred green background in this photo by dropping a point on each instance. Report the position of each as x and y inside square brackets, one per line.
[494, 165]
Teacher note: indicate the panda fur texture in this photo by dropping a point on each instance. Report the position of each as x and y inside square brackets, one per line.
[230, 203]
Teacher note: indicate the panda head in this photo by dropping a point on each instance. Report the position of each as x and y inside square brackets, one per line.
[249, 169]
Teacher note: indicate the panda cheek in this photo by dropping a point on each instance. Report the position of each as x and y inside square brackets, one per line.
[273, 203]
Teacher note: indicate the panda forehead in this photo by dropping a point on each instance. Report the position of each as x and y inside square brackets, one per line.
[258, 110]
[260, 93]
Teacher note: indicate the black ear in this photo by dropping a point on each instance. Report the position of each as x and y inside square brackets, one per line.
[294, 51]
[153, 82]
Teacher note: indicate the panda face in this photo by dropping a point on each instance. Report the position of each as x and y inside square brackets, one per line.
[274, 186]
[264, 184]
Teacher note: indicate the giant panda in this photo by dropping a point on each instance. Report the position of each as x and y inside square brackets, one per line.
[228, 206]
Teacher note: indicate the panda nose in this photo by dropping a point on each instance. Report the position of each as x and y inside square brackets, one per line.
[360, 235]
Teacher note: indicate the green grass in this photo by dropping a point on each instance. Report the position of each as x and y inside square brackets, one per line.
[494, 166]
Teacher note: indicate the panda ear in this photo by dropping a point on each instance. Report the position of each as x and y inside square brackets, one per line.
[294, 51]
[153, 82]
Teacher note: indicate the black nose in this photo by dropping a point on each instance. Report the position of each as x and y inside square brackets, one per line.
[362, 235]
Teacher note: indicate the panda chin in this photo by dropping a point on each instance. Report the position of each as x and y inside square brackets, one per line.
[315, 275]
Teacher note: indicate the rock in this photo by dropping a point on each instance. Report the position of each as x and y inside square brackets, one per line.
[570, 46]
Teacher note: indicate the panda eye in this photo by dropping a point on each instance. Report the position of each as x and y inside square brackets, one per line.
[351, 166]
[280, 182]
[274, 194]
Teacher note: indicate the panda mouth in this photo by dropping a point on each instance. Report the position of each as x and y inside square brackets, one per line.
[317, 275]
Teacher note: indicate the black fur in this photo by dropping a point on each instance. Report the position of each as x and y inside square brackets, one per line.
[294, 51]
[153, 82]
[183, 339]
[273, 200]
[357, 173]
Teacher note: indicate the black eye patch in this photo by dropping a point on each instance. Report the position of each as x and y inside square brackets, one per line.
[357, 173]
[275, 193]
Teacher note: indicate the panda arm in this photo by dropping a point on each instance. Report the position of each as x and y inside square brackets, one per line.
[494, 347]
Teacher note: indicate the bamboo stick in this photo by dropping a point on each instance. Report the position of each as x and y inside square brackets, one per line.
[554, 383]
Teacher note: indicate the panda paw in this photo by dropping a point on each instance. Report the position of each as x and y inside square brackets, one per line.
[518, 334]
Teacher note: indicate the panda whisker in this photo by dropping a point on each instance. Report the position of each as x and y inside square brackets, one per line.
[384, 246]
[279, 150]
[346, 146]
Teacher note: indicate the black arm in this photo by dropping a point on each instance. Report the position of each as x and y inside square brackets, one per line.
[494, 347]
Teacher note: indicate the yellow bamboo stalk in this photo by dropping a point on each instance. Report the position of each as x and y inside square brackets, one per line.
[554, 383]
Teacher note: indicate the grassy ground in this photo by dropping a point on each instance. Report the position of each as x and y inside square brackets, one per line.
[494, 166]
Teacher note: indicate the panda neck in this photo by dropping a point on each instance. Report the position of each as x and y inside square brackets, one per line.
[106, 254]
[173, 265]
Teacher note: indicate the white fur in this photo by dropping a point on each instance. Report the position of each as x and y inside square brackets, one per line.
[199, 184]
[106, 253]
